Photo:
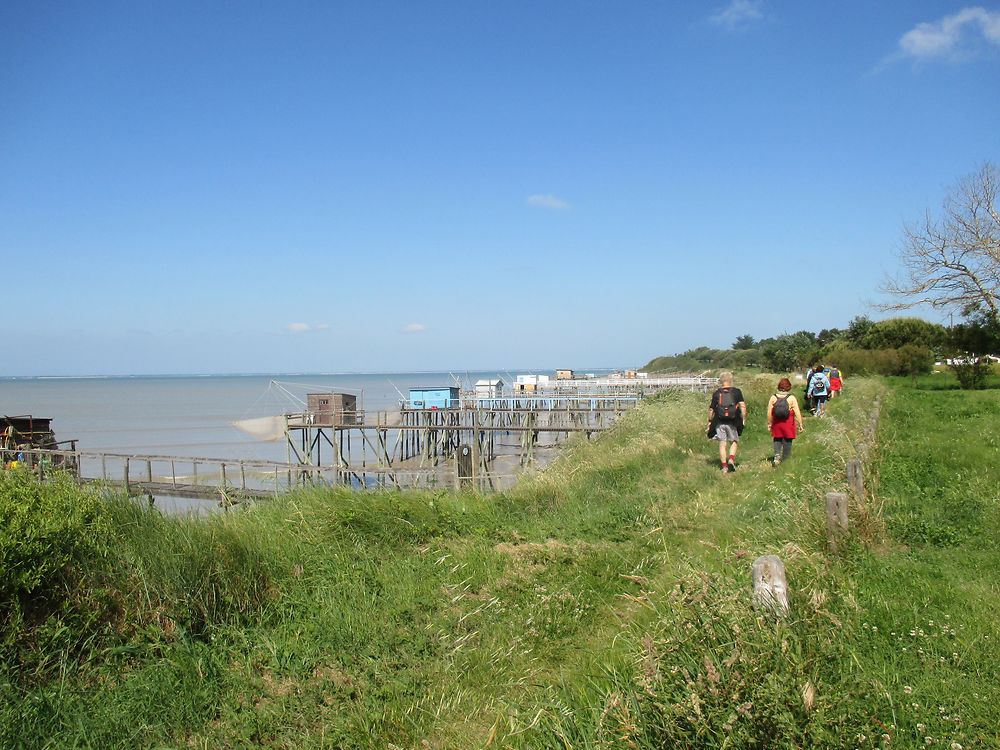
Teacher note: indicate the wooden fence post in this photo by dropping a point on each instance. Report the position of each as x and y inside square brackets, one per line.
[836, 517]
[770, 587]
[855, 479]
[464, 465]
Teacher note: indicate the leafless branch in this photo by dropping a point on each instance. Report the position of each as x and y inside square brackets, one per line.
[953, 262]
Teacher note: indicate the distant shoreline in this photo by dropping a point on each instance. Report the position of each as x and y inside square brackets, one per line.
[164, 376]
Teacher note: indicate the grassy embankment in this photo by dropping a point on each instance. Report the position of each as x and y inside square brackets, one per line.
[604, 603]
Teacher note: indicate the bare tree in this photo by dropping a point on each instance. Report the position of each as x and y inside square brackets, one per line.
[953, 262]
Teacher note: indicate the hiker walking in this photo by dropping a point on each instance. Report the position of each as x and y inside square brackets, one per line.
[726, 416]
[819, 390]
[809, 377]
[836, 381]
[783, 417]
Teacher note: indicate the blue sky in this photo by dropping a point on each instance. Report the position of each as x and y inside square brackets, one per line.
[391, 186]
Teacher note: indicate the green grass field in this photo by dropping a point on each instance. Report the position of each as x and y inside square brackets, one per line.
[604, 603]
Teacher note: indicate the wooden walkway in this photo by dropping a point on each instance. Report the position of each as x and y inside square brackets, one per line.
[434, 448]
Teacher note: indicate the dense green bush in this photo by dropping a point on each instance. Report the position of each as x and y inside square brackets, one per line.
[907, 360]
[896, 333]
[53, 541]
[45, 530]
[972, 374]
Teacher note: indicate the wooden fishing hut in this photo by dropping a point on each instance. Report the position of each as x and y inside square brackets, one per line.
[436, 427]
[328, 409]
[489, 388]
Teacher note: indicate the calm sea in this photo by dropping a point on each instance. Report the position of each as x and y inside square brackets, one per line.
[193, 416]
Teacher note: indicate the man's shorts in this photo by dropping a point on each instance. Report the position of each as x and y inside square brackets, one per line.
[727, 432]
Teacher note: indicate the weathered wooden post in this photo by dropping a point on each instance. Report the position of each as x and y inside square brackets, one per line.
[855, 479]
[836, 517]
[476, 458]
[770, 587]
[464, 465]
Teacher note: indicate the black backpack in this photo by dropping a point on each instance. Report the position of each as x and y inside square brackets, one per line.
[780, 411]
[727, 408]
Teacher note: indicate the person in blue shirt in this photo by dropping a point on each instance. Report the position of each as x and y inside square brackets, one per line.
[819, 390]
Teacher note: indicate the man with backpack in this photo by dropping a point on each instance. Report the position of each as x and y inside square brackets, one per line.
[726, 416]
[819, 390]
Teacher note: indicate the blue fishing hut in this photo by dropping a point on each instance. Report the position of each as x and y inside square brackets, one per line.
[435, 398]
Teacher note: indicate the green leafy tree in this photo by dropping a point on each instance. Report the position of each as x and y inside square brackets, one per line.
[828, 335]
[788, 351]
[977, 336]
[746, 341]
[898, 332]
[857, 331]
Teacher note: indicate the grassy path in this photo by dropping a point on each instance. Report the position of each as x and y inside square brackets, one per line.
[604, 603]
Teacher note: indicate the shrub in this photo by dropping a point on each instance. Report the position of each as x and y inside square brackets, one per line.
[907, 360]
[53, 541]
[971, 374]
[45, 529]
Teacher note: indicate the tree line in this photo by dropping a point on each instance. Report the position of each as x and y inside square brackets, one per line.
[950, 262]
[897, 346]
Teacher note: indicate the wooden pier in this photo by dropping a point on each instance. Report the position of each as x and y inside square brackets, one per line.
[482, 443]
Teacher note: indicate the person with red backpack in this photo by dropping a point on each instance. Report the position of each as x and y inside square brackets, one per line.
[726, 416]
[783, 416]
[836, 381]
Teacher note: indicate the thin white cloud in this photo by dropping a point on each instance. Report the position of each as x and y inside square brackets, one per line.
[414, 328]
[738, 13]
[548, 201]
[953, 36]
[306, 327]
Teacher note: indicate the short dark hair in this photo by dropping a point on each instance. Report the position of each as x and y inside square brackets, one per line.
[784, 384]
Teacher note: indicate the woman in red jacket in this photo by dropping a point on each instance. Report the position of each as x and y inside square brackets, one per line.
[783, 416]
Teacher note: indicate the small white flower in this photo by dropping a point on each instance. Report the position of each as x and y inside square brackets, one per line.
[920, 727]
[956, 746]
[907, 689]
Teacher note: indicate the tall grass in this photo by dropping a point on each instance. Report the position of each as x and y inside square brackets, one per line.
[601, 603]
